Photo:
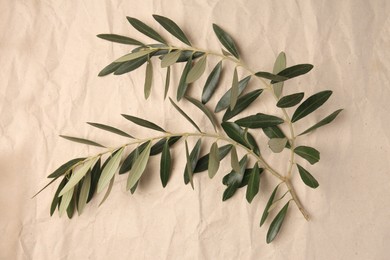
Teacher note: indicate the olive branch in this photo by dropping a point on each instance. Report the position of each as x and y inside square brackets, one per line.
[82, 178]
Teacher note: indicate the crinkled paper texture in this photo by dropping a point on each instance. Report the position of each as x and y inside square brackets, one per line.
[50, 58]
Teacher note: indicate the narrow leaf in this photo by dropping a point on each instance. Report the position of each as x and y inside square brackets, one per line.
[182, 88]
[110, 169]
[108, 191]
[295, 71]
[259, 121]
[224, 102]
[270, 76]
[167, 81]
[184, 115]
[172, 28]
[189, 165]
[78, 175]
[110, 129]
[269, 203]
[148, 79]
[280, 64]
[236, 133]
[242, 103]
[194, 156]
[130, 65]
[253, 184]
[308, 153]
[236, 177]
[229, 191]
[143, 122]
[276, 224]
[95, 176]
[234, 160]
[56, 198]
[307, 178]
[234, 92]
[81, 140]
[65, 167]
[197, 70]
[213, 160]
[119, 39]
[277, 144]
[138, 167]
[211, 83]
[145, 29]
[165, 164]
[311, 104]
[72, 205]
[290, 100]
[226, 40]
[205, 110]
[323, 122]
[65, 200]
[134, 55]
[203, 162]
[170, 58]
[110, 68]
[84, 192]
[130, 159]
[158, 147]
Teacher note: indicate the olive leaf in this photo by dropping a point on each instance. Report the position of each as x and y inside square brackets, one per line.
[84, 193]
[119, 39]
[226, 40]
[203, 163]
[135, 55]
[172, 27]
[148, 79]
[276, 224]
[323, 122]
[290, 100]
[213, 160]
[183, 85]
[131, 65]
[143, 122]
[110, 169]
[138, 167]
[253, 183]
[65, 167]
[184, 115]
[295, 71]
[170, 58]
[242, 103]
[224, 102]
[234, 90]
[211, 83]
[205, 110]
[145, 29]
[167, 81]
[307, 178]
[268, 205]
[311, 104]
[110, 129]
[280, 64]
[81, 140]
[259, 121]
[197, 70]
[165, 164]
[277, 144]
[191, 161]
[110, 68]
[308, 153]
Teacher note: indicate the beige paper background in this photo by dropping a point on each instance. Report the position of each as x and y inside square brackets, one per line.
[49, 60]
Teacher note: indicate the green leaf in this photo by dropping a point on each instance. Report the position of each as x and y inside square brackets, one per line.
[307, 178]
[311, 104]
[172, 28]
[148, 79]
[259, 121]
[170, 58]
[234, 160]
[110, 129]
[224, 102]
[295, 71]
[226, 40]
[253, 184]
[165, 164]
[167, 81]
[56, 198]
[186, 55]
[234, 90]
[130, 65]
[134, 55]
[203, 162]
[242, 103]
[132, 190]
[308, 153]
[235, 179]
[83, 196]
[252, 142]
[110, 68]
[119, 39]
[270, 76]
[143, 122]
[145, 29]
[194, 156]
[280, 64]
[138, 167]
[184, 115]
[182, 88]
[81, 140]
[276, 224]
[229, 191]
[211, 83]
[159, 146]
[129, 161]
[197, 70]
[65, 200]
[277, 144]
[290, 100]
[269, 203]
[95, 176]
[236, 133]
[188, 169]
[65, 167]
[213, 160]
[71, 207]
[323, 122]
[78, 175]
[110, 169]
[108, 191]
[205, 110]
[273, 132]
